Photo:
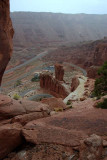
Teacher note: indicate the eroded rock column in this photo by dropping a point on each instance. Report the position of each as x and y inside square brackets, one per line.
[6, 35]
[59, 72]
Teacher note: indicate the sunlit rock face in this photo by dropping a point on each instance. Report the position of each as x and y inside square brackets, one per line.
[6, 35]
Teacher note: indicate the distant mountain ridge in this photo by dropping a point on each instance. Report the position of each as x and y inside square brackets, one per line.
[32, 27]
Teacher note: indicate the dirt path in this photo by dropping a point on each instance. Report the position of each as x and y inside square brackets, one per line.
[78, 93]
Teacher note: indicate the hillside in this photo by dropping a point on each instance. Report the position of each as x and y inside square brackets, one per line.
[88, 55]
[33, 28]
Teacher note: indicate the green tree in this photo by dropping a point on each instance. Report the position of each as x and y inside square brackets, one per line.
[100, 88]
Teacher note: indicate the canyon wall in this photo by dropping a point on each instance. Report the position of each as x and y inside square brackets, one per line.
[6, 35]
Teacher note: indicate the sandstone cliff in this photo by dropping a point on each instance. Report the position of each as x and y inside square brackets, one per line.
[6, 35]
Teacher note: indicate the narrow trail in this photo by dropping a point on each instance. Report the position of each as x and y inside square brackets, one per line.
[78, 93]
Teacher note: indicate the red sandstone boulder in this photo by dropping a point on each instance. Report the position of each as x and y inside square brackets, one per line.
[36, 132]
[91, 148]
[59, 72]
[10, 108]
[10, 138]
[54, 103]
[6, 35]
[25, 118]
[74, 84]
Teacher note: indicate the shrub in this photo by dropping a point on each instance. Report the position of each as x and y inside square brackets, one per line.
[70, 106]
[18, 83]
[16, 97]
[103, 104]
[58, 109]
[100, 88]
[68, 102]
[34, 79]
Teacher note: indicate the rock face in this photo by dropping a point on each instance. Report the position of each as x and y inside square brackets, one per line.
[10, 138]
[59, 72]
[6, 35]
[74, 84]
[91, 149]
[54, 86]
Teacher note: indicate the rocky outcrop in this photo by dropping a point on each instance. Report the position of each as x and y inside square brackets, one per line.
[75, 83]
[55, 87]
[59, 72]
[91, 148]
[100, 53]
[92, 72]
[68, 128]
[6, 35]
[10, 108]
[13, 115]
[54, 103]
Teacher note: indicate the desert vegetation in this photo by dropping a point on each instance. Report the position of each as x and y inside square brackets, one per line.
[100, 88]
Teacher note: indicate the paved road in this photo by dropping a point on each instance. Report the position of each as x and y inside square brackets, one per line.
[41, 55]
[77, 67]
[39, 96]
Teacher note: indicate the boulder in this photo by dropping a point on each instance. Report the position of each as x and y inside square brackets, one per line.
[75, 83]
[10, 138]
[54, 103]
[10, 108]
[24, 119]
[91, 148]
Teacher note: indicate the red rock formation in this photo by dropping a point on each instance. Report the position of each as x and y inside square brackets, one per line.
[13, 115]
[54, 103]
[74, 84]
[59, 72]
[54, 86]
[92, 72]
[10, 108]
[6, 35]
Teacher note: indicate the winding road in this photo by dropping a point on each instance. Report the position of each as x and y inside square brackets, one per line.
[40, 55]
